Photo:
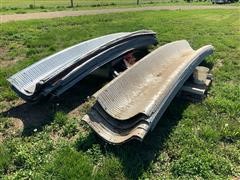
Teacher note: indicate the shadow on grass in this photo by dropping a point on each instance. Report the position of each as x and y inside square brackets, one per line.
[207, 64]
[42, 113]
[136, 156]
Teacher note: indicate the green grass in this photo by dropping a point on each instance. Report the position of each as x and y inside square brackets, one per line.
[191, 141]
[65, 3]
[27, 6]
[25, 3]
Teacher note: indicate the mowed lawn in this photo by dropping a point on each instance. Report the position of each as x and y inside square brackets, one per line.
[28, 6]
[25, 3]
[66, 3]
[49, 140]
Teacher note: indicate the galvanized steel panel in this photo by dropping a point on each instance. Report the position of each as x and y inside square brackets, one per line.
[28, 82]
[143, 92]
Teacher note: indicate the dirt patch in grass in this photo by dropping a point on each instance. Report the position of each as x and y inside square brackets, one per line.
[6, 60]
[74, 104]
[1, 137]
[3, 53]
[16, 127]
[7, 63]
[218, 64]
[6, 105]
[27, 116]
[79, 111]
[11, 126]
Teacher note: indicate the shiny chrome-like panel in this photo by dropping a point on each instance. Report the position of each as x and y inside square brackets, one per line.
[57, 72]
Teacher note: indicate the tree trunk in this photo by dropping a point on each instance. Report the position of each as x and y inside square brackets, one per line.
[71, 3]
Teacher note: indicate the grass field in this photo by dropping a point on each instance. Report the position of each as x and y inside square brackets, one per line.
[49, 3]
[49, 140]
[26, 6]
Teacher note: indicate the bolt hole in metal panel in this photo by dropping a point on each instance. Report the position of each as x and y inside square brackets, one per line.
[143, 92]
[61, 69]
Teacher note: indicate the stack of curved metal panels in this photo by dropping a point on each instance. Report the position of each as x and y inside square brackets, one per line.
[131, 105]
[57, 73]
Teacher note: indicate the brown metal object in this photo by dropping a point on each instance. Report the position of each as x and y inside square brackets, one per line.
[132, 104]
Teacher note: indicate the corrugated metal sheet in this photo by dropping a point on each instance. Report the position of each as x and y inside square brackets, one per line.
[43, 77]
[55, 63]
[143, 92]
[102, 58]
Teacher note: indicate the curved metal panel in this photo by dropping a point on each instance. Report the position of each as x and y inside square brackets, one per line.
[102, 58]
[142, 93]
[140, 89]
[58, 70]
